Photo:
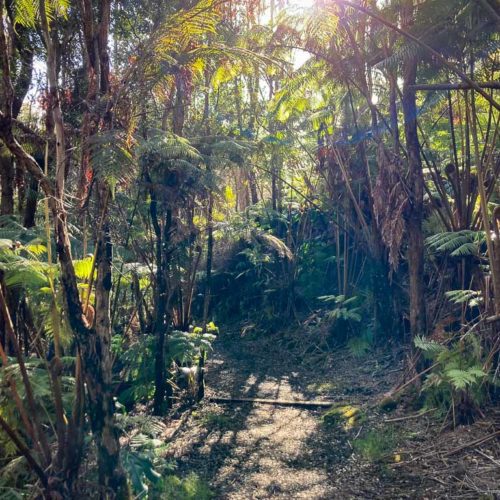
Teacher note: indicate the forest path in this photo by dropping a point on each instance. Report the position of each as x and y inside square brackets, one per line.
[247, 450]
[260, 451]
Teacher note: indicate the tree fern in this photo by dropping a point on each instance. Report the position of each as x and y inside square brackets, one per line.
[290, 97]
[185, 27]
[112, 159]
[344, 308]
[161, 149]
[83, 268]
[470, 297]
[12, 229]
[27, 12]
[26, 273]
[457, 244]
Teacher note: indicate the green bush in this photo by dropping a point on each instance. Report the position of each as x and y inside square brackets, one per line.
[376, 445]
[188, 488]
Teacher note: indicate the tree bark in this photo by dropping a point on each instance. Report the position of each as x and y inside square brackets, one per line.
[31, 203]
[19, 90]
[414, 222]
[99, 383]
[6, 181]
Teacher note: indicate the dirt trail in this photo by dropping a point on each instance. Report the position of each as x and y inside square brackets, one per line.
[256, 451]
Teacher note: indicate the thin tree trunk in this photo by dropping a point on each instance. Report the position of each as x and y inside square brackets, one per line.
[210, 250]
[31, 204]
[493, 246]
[6, 181]
[161, 296]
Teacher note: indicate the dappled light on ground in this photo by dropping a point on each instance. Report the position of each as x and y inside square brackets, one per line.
[262, 451]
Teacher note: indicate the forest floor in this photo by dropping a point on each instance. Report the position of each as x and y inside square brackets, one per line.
[257, 451]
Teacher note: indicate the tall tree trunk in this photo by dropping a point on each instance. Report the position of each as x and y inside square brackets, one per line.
[208, 268]
[94, 344]
[179, 112]
[20, 88]
[493, 245]
[162, 301]
[414, 222]
[99, 384]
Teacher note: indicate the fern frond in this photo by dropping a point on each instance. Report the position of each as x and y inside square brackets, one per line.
[26, 273]
[457, 244]
[470, 297]
[273, 243]
[83, 268]
[429, 346]
[27, 12]
[461, 379]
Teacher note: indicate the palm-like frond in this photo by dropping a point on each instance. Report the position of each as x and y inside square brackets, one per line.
[272, 242]
[83, 268]
[184, 26]
[162, 149]
[469, 297]
[112, 157]
[24, 272]
[429, 346]
[456, 244]
[27, 12]
[305, 80]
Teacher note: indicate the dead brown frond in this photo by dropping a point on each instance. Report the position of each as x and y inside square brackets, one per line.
[390, 203]
[274, 243]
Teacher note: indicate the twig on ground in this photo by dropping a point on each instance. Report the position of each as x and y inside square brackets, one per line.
[279, 402]
[482, 440]
[487, 456]
[409, 417]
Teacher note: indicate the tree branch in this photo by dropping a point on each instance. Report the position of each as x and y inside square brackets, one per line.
[25, 451]
[428, 48]
[454, 86]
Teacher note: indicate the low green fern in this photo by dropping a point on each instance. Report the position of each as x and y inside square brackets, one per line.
[428, 346]
[360, 346]
[456, 383]
[461, 379]
[344, 308]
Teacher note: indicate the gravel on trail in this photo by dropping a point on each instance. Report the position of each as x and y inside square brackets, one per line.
[260, 451]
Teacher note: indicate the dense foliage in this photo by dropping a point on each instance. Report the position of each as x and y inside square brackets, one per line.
[169, 167]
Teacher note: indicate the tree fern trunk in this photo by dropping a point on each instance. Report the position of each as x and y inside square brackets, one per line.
[99, 383]
[414, 222]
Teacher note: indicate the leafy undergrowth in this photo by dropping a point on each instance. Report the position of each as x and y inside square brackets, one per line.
[189, 488]
[377, 446]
